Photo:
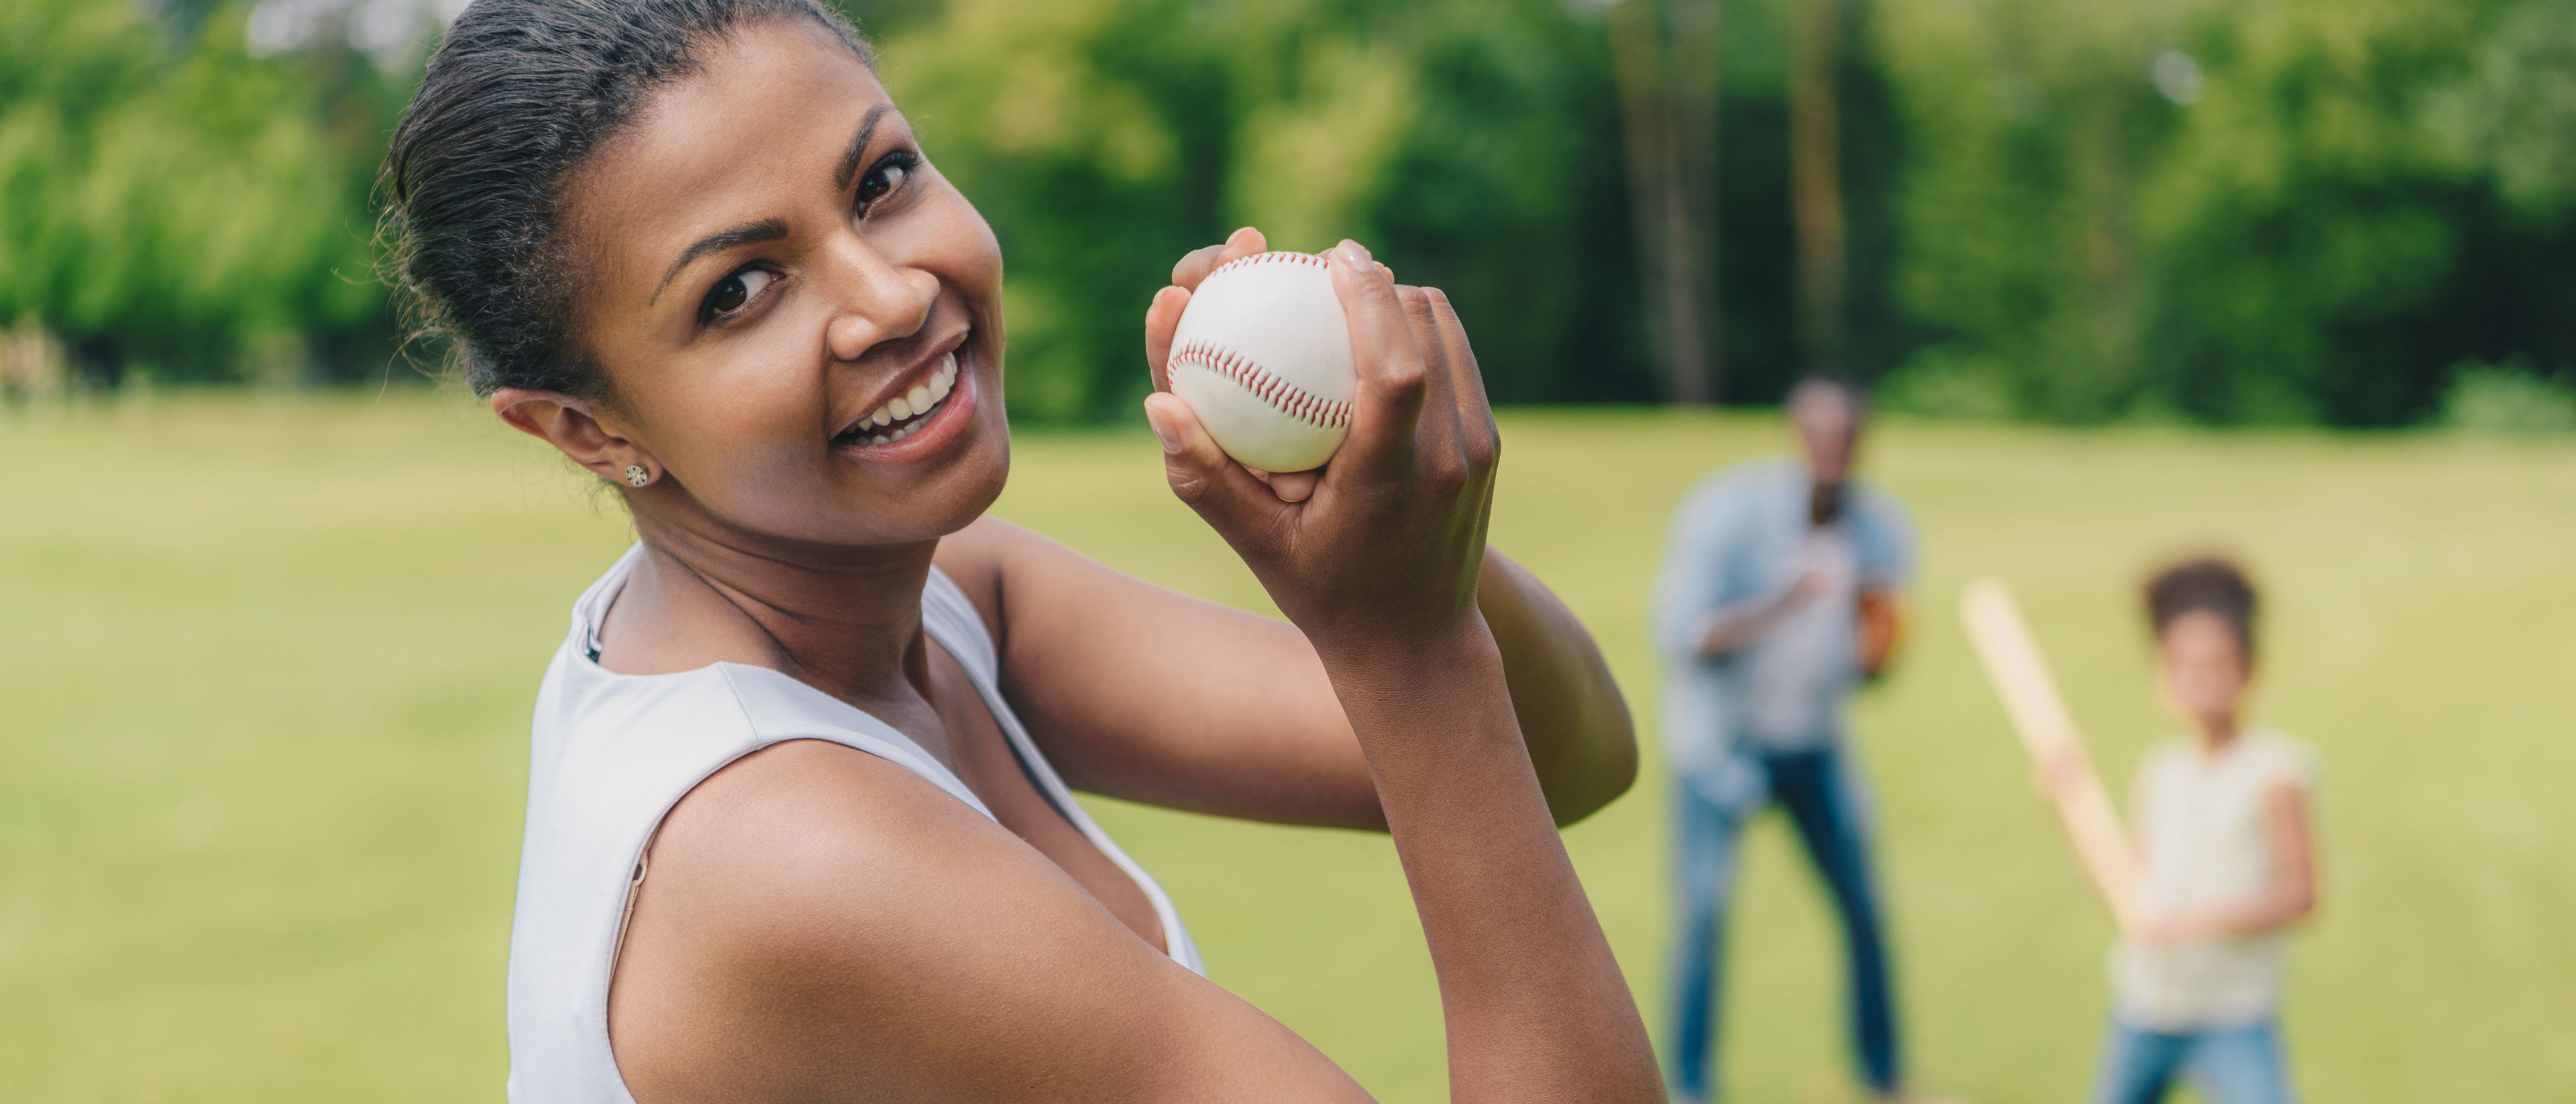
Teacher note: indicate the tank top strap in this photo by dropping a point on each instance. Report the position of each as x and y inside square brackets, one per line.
[781, 708]
[951, 619]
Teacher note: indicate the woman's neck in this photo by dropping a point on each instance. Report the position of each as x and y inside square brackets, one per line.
[846, 620]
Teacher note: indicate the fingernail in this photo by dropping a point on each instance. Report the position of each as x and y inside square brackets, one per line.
[1162, 430]
[1354, 252]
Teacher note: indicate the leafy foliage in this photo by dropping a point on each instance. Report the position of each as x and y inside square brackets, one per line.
[2072, 210]
[1467, 143]
[2358, 193]
[169, 202]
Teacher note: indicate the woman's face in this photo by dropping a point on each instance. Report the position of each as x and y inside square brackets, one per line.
[776, 283]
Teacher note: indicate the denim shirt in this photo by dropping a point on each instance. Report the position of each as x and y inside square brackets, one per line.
[1734, 544]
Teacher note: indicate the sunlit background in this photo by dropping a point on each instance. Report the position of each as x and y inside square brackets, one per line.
[2294, 278]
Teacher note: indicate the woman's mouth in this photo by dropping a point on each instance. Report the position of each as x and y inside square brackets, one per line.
[907, 412]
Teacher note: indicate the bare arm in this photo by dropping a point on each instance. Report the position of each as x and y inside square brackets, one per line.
[1380, 567]
[1140, 693]
[1573, 719]
[823, 926]
[1147, 695]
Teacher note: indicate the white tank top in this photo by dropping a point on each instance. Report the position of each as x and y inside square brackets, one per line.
[612, 753]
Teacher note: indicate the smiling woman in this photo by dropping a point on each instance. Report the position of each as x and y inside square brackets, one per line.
[800, 821]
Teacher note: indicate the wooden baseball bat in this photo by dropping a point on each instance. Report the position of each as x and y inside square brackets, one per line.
[2048, 733]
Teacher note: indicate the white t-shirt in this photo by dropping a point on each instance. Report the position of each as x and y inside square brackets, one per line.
[1795, 677]
[2207, 846]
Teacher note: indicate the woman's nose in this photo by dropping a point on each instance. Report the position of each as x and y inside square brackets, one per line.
[877, 299]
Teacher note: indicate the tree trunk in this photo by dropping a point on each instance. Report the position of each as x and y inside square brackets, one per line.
[1691, 266]
[1668, 107]
[1637, 61]
[2108, 257]
[1815, 183]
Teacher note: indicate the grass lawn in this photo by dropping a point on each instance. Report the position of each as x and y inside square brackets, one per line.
[266, 664]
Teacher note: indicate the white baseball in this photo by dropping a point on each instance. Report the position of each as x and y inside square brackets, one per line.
[1263, 356]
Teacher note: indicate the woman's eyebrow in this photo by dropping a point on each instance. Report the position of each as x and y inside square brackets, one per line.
[858, 147]
[768, 229]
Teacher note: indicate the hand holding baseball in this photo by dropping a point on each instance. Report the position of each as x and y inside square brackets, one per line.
[1258, 345]
[1387, 547]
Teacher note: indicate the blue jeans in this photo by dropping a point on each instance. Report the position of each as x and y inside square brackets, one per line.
[2235, 1065]
[1822, 798]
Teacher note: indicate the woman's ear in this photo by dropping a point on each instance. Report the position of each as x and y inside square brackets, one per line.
[573, 427]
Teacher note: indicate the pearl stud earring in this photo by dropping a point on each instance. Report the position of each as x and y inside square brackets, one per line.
[636, 476]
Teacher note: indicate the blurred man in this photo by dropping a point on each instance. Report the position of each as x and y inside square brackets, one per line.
[1779, 596]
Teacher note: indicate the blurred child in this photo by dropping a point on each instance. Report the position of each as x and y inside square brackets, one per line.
[2221, 818]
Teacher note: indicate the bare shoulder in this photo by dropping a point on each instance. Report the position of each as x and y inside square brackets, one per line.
[790, 825]
[822, 924]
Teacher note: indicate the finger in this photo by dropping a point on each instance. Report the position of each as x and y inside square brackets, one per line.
[1196, 266]
[1482, 438]
[1239, 507]
[1294, 486]
[1439, 425]
[1242, 243]
[1387, 403]
[1161, 319]
[1468, 377]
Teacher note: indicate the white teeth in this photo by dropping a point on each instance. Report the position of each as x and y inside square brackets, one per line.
[932, 406]
[924, 399]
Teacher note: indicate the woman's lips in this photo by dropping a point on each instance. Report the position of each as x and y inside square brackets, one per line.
[901, 415]
[924, 433]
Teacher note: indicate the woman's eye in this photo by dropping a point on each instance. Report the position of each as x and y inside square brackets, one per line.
[888, 175]
[733, 291]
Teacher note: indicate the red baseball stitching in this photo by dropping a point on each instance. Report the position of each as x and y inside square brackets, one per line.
[1283, 396]
[1274, 257]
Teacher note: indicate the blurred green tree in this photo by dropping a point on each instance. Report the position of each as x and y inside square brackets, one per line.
[2301, 211]
[2078, 210]
[170, 204]
[1104, 138]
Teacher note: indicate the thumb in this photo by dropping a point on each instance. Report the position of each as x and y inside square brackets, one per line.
[1234, 503]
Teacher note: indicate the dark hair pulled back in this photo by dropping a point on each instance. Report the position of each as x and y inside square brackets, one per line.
[518, 96]
[2207, 584]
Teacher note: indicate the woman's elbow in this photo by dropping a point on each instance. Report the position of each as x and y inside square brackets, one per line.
[1607, 772]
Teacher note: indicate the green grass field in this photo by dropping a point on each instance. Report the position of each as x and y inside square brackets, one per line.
[265, 667]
